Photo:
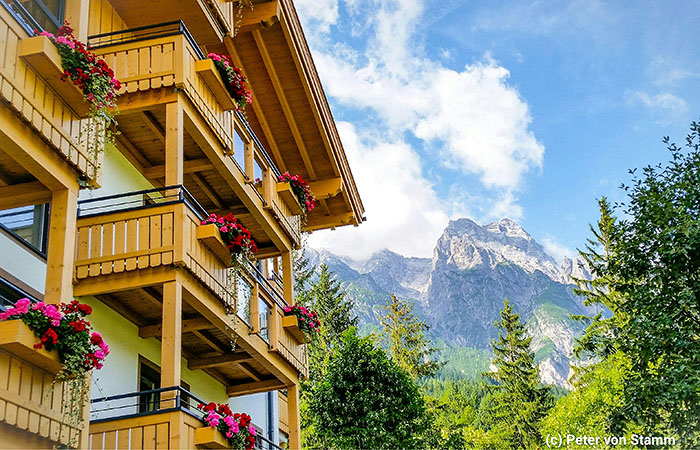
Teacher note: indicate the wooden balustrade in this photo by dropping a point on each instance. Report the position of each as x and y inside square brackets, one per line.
[33, 405]
[147, 432]
[37, 103]
[168, 61]
[283, 412]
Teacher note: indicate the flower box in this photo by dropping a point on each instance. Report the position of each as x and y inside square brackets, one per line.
[291, 324]
[284, 189]
[41, 54]
[208, 437]
[211, 237]
[210, 74]
[18, 339]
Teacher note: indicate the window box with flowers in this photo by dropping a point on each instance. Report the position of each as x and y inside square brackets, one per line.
[296, 193]
[83, 80]
[230, 241]
[300, 322]
[58, 339]
[229, 85]
[224, 429]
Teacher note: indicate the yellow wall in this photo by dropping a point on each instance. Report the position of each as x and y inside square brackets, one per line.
[120, 372]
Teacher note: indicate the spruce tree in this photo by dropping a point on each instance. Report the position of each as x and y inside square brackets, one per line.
[404, 334]
[520, 402]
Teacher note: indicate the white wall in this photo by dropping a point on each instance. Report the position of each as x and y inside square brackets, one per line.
[22, 263]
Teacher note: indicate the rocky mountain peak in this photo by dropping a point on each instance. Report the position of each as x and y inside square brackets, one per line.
[467, 245]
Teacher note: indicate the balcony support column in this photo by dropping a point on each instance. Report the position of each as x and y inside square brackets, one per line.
[288, 276]
[293, 417]
[174, 143]
[171, 353]
[76, 13]
[61, 246]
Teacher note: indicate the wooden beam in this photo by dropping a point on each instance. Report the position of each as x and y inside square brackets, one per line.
[322, 222]
[188, 326]
[267, 252]
[210, 340]
[262, 15]
[133, 154]
[266, 385]
[60, 254]
[16, 195]
[324, 189]
[151, 123]
[216, 361]
[207, 190]
[282, 98]
[136, 102]
[153, 296]
[190, 166]
[250, 371]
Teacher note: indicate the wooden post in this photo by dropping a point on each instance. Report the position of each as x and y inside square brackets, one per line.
[293, 417]
[174, 143]
[254, 308]
[249, 161]
[171, 341]
[288, 277]
[61, 247]
[76, 13]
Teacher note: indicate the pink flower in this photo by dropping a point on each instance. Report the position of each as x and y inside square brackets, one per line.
[228, 420]
[105, 348]
[251, 430]
[98, 366]
[39, 305]
[234, 427]
[23, 305]
[46, 33]
[99, 354]
[213, 419]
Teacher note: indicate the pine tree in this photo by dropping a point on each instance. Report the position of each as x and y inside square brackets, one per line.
[519, 402]
[327, 298]
[405, 336]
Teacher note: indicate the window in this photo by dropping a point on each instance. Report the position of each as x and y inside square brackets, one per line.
[263, 314]
[29, 224]
[149, 379]
[37, 14]
[10, 293]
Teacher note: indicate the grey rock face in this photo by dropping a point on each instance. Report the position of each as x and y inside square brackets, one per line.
[460, 291]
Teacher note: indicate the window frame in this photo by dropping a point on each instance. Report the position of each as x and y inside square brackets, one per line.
[44, 244]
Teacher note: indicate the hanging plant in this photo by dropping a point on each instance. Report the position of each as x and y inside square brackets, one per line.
[236, 427]
[234, 80]
[236, 237]
[301, 190]
[308, 320]
[94, 77]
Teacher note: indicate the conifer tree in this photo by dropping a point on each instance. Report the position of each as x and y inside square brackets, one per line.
[405, 336]
[519, 403]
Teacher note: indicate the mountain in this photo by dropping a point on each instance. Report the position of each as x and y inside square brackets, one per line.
[459, 293]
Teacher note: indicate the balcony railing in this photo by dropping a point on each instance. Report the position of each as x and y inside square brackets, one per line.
[146, 418]
[36, 102]
[158, 227]
[166, 55]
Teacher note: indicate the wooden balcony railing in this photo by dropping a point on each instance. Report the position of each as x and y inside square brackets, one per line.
[159, 56]
[34, 100]
[160, 418]
[157, 227]
[256, 161]
[30, 399]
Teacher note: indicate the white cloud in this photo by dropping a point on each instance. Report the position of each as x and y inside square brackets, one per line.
[320, 13]
[555, 249]
[472, 119]
[665, 107]
[404, 213]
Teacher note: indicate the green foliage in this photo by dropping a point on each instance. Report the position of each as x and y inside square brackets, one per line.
[365, 401]
[519, 402]
[404, 334]
[327, 299]
[587, 411]
[648, 275]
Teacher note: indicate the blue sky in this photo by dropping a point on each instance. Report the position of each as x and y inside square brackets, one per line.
[526, 110]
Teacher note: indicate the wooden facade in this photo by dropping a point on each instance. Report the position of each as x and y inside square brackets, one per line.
[144, 254]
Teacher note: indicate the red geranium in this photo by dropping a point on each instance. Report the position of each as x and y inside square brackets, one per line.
[301, 189]
[236, 237]
[233, 80]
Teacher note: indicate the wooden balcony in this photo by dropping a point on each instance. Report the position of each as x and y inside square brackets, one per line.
[162, 64]
[129, 245]
[33, 413]
[161, 418]
[34, 99]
